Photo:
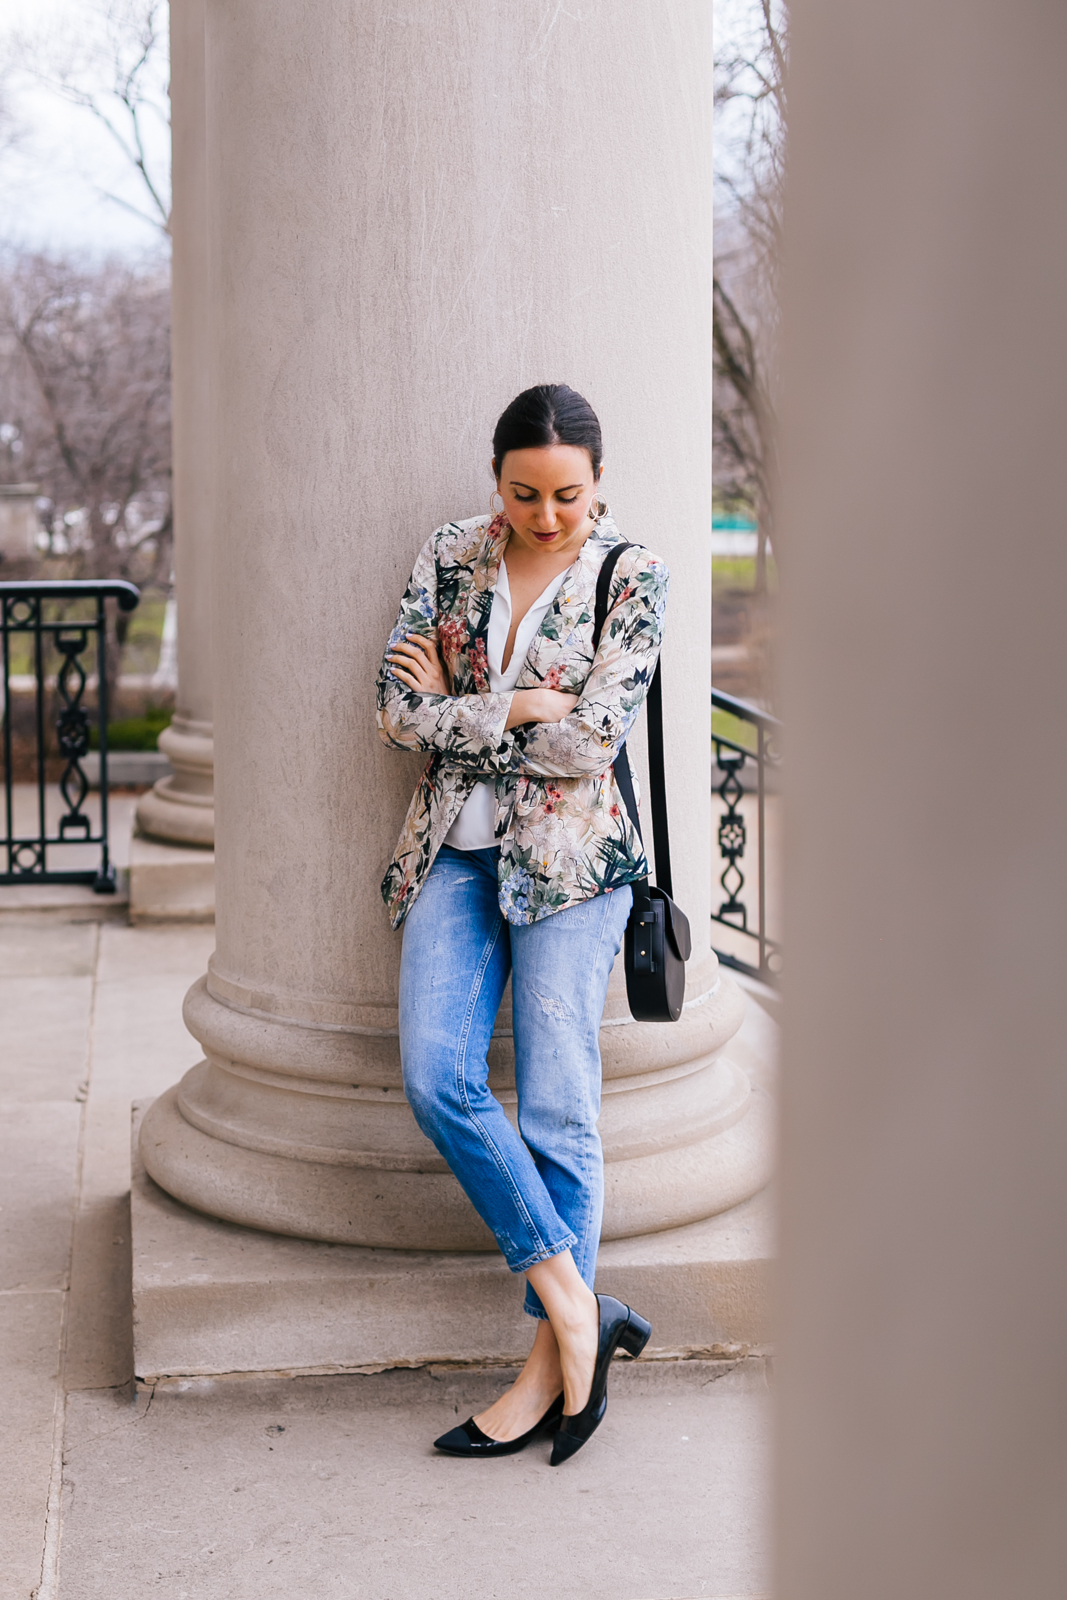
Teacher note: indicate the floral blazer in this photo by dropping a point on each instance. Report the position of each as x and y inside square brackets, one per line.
[563, 829]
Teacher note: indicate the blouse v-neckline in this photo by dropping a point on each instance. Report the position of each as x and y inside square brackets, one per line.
[525, 634]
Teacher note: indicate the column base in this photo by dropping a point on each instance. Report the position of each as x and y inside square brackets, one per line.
[353, 1202]
[213, 1297]
[170, 882]
[181, 807]
[304, 1129]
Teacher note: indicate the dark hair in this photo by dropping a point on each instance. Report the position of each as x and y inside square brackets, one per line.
[549, 413]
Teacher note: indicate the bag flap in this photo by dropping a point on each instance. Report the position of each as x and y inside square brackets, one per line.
[677, 924]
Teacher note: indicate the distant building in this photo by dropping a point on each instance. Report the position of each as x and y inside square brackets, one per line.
[19, 525]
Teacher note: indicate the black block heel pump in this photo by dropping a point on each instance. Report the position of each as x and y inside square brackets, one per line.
[469, 1440]
[619, 1328]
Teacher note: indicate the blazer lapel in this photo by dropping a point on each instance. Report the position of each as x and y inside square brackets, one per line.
[463, 628]
[562, 651]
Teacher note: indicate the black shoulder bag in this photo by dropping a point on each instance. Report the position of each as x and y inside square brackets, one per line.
[658, 942]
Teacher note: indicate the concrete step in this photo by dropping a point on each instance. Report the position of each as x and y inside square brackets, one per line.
[211, 1297]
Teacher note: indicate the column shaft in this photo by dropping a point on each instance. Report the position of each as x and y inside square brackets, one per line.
[923, 1420]
[418, 214]
[180, 807]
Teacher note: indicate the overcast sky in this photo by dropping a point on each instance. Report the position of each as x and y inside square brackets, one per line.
[53, 183]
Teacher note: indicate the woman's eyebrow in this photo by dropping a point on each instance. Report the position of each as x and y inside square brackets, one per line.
[514, 483]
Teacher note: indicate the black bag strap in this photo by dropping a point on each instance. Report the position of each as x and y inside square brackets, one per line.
[656, 772]
[603, 589]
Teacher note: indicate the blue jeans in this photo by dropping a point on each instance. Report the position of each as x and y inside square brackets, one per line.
[542, 1193]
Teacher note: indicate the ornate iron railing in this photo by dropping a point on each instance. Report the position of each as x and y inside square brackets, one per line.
[738, 770]
[60, 644]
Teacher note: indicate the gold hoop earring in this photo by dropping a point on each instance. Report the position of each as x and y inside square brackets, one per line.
[496, 495]
[594, 511]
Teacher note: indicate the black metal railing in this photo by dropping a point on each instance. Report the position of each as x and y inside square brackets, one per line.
[34, 614]
[741, 769]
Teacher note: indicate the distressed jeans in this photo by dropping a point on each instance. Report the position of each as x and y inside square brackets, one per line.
[541, 1193]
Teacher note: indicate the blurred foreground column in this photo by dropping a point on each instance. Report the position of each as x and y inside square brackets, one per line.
[180, 808]
[418, 213]
[923, 1442]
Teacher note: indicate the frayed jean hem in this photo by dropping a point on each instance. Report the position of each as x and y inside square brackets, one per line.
[545, 1254]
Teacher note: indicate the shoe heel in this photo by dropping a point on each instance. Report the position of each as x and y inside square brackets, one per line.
[635, 1335]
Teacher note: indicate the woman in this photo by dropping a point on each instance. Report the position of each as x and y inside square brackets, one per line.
[516, 856]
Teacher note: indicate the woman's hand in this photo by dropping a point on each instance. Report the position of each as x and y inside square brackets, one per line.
[540, 705]
[416, 661]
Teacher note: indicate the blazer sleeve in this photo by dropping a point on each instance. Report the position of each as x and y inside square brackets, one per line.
[469, 728]
[587, 741]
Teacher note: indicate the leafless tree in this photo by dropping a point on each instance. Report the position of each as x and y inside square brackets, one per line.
[751, 118]
[9, 124]
[115, 65]
[85, 391]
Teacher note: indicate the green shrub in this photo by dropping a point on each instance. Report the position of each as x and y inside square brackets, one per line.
[135, 733]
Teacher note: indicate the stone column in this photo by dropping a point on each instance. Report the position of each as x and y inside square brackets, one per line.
[418, 213]
[923, 1414]
[180, 808]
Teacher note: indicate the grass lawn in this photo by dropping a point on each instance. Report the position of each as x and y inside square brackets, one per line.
[739, 572]
[736, 729]
[140, 654]
[743, 628]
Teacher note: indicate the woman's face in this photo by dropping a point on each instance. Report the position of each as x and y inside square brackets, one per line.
[547, 493]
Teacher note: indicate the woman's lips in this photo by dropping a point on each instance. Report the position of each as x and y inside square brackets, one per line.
[545, 537]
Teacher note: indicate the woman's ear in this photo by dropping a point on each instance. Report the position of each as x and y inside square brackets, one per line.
[493, 469]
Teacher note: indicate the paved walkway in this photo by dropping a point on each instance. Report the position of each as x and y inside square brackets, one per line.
[302, 1487]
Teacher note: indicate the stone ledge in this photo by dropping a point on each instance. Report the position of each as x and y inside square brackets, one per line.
[126, 767]
[170, 882]
[213, 1298]
[66, 902]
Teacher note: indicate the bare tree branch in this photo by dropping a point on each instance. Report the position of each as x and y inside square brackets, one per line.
[92, 390]
[115, 70]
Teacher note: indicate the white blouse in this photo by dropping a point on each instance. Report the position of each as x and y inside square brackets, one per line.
[475, 827]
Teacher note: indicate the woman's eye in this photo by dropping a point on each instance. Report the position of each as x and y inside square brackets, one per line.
[566, 500]
[526, 499]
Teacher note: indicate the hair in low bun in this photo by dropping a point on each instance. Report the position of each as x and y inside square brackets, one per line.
[549, 413]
